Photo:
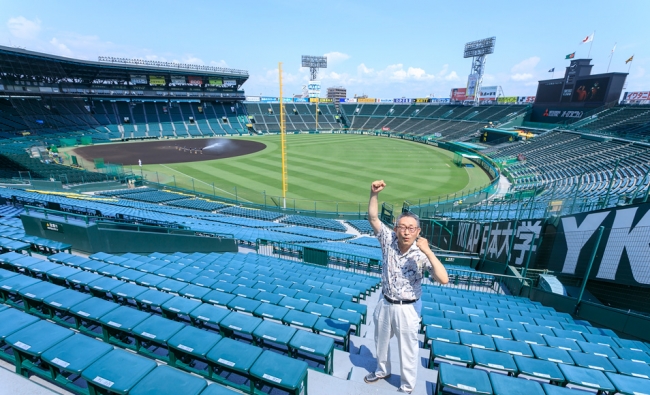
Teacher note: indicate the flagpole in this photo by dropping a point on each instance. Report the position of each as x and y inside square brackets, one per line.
[593, 36]
[611, 55]
[630, 66]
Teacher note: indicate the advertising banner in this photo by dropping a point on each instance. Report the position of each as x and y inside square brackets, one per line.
[507, 100]
[422, 100]
[402, 100]
[192, 80]
[366, 100]
[253, 98]
[346, 100]
[229, 83]
[488, 93]
[287, 100]
[497, 237]
[301, 100]
[313, 88]
[178, 79]
[320, 100]
[267, 99]
[458, 94]
[385, 100]
[525, 99]
[636, 97]
[156, 80]
[138, 79]
[472, 81]
[215, 81]
[622, 255]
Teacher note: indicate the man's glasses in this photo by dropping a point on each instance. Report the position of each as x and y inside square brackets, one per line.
[411, 229]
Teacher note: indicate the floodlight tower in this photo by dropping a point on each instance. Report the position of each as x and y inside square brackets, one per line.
[314, 63]
[478, 51]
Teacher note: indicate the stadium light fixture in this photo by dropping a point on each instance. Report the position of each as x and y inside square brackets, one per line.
[480, 47]
[314, 63]
[478, 51]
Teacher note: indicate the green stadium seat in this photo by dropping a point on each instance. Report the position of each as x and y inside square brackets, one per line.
[450, 352]
[59, 303]
[178, 307]
[9, 288]
[440, 334]
[118, 324]
[496, 332]
[504, 385]
[318, 309]
[473, 381]
[548, 323]
[592, 361]
[482, 320]
[597, 349]
[92, 266]
[632, 355]
[511, 326]
[600, 339]
[309, 297]
[293, 303]
[232, 357]
[584, 377]
[11, 321]
[171, 285]
[246, 305]
[81, 280]
[494, 360]
[194, 291]
[118, 371]
[542, 330]
[165, 380]
[5, 274]
[466, 327]
[313, 347]
[70, 357]
[356, 307]
[151, 300]
[529, 338]
[103, 286]
[88, 312]
[278, 371]
[34, 295]
[571, 335]
[550, 389]
[152, 334]
[333, 302]
[338, 329]
[539, 369]
[551, 354]
[127, 292]
[188, 349]
[31, 341]
[627, 385]
[216, 389]
[561, 343]
[633, 345]
[273, 335]
[513, 347]
[351, 317]
[300, 319]
[203, 281]
[630, 368]
[521, 319]
[149, 280]
[41, 269]
[112, 270]
[218, 298]
[22, 263]
[476, 341]
[270, 311]
[269, 297]
[239, 325]
[208, 316]
[130, 275]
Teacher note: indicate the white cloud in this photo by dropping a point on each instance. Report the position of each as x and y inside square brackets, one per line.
[452, 76]
[521, 76]
[336, 57]
[526, 65]
[22, 27]
[60, 48]
[363, 69]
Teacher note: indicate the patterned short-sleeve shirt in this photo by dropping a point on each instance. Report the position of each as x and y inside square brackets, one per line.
[401, 274]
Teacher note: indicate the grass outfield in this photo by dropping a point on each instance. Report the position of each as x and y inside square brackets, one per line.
[327, 168]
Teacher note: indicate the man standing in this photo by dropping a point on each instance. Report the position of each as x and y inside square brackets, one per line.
[405, 255]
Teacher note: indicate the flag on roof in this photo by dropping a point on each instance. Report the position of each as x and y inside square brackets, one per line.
[630, 59]
[570, 56]
[587, 39]
[552, 70]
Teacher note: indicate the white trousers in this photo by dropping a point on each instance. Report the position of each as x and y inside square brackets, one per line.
[402, 321]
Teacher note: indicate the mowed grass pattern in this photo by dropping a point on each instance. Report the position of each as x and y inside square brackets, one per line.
[328, 168]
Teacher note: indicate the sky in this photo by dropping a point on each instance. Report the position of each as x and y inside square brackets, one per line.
[383, 49]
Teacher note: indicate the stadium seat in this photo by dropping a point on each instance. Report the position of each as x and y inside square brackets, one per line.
[271, 334]
[12, 320]
[87, 313]
[539, 369]
[188, 349]
[117, 326]
[164, 380]
[450, 352]
[504, 385]
[238, 325]
[551, 354]
[590, 378]
[118, 371]
[152, 334]
[494, 360]
[230, 357]
[459, 378]
[278, 371]
[310, 346]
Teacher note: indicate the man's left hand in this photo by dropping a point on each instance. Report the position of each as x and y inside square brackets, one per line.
[423, 244]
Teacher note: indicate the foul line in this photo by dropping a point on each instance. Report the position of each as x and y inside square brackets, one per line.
[210, 185]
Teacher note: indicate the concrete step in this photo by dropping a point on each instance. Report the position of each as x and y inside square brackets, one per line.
[322, 384]
[425, 383]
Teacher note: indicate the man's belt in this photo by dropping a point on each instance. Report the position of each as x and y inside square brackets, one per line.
[395, 301]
